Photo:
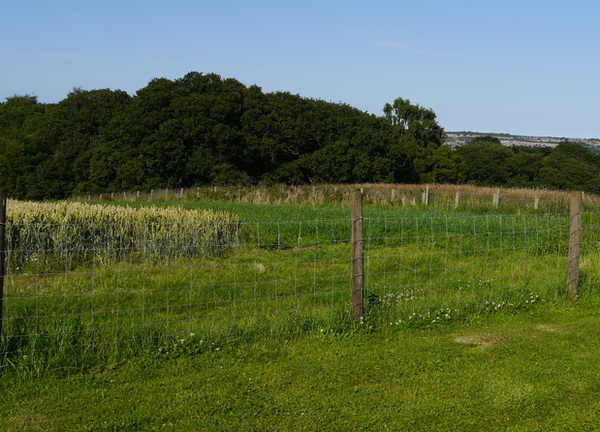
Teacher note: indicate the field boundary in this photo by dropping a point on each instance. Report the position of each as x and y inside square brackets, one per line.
[415, 266]
[445, 195]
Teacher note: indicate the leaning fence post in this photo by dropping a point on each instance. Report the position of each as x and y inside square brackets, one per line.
[2, 252]
[358, 287]
[574, 243]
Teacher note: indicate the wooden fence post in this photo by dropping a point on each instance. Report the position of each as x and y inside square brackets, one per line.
[574, 243]
[425, 197]
[2, 252]
[358, 287]
[496, 198]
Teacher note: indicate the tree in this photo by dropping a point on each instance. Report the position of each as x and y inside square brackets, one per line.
[525, 166]
[203, 129]
[443, 165]
[416, 122]
[418, 136]
[487, 161]
[571, 167]
[72, 129]
[22, 148]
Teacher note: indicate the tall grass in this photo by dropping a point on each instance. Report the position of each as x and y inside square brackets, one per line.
[466, 197]
[288, 274]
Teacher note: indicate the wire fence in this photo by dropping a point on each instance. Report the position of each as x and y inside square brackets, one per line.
[439, 195]
[420, 268]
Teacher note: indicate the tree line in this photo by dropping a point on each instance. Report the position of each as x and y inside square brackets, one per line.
[202, 129]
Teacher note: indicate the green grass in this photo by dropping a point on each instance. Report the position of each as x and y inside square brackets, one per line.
[466, 328]
[528, 371]
[290, 274]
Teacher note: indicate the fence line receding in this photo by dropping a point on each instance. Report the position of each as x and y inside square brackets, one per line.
[412, 266]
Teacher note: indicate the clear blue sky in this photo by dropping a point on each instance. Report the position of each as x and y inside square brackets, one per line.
[516, 66]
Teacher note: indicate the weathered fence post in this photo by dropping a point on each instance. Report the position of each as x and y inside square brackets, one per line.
[496, 198]
[457, 199]
[2, 252]
[425, 197]
[358, 287]
[574, 243]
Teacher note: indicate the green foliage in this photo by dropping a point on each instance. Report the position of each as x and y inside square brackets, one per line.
[285, 272]
[196, 130]
[22, 147]
[418, 137]
[531, 371]
[203, 129]
[486, 160]
[443, 165]
[71, 130]
[420, 123]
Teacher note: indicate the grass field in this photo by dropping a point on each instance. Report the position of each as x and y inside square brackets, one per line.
[530, 371]
[288, 272]
[467, 327]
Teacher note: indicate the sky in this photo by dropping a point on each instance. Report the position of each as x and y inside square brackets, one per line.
[525, 67]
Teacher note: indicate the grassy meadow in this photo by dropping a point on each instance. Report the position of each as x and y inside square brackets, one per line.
[283, 270]
[535, 370]
[467, 323]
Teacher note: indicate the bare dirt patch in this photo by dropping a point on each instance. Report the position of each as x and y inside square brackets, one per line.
[547, 328]
[480, 341]
[298, 249]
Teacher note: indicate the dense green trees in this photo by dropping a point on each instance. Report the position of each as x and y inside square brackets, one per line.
[72, 131]
[487, 161]
[22, 148]
[203, 129]
[569, 166]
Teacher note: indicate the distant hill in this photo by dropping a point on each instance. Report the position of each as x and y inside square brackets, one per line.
[459, 138]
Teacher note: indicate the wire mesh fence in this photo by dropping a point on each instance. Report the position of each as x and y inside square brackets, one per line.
[421, 267]
[439, 195]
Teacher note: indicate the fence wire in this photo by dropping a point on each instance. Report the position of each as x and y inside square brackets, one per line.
[421, 268]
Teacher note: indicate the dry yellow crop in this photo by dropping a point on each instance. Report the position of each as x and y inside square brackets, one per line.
[67, 233]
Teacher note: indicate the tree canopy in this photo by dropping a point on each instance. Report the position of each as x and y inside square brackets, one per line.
[203, 129]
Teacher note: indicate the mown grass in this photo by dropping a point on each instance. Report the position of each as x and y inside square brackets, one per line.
[535, 370]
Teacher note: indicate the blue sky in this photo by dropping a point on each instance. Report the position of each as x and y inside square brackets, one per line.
[515, 66]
